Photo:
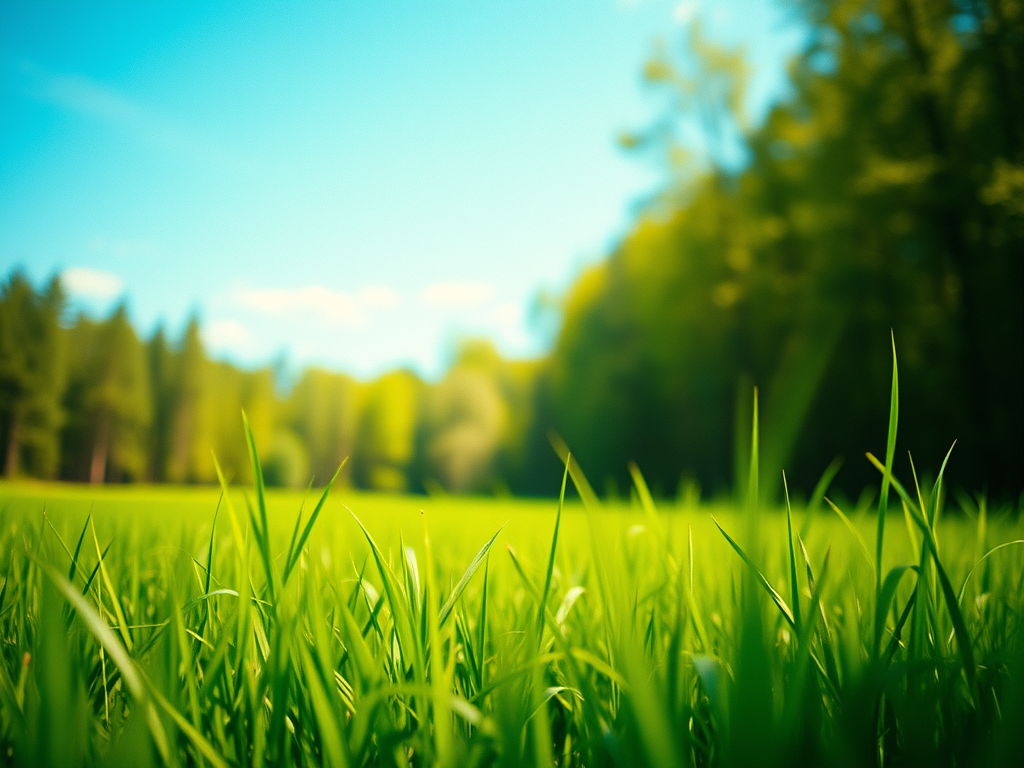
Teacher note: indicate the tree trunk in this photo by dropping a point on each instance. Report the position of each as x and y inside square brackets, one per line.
[98, 466]
[11, 460]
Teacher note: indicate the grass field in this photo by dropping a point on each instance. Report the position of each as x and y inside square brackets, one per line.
[168, 626]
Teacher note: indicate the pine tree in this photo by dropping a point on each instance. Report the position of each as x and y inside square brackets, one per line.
[31, 375]
[188, 381]
[115, 400]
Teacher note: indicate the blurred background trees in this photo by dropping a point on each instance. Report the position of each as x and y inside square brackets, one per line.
[32, 365]
[878, 196]
[887, 192]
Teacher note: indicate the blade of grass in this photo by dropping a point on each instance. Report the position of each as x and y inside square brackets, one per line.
[794, 585]
[122, 623]
[963, 589]
[551, 557]
[894, 643]
[853, 529]
[890, 453]
[775, 596]
[579, 480]
[822, 486]
[481, 555]
[78, 549]
[236, 529]
[209, 550]
[332, 741]
[99, 629]
[400, 612]
[293, 555]
[261, 526]
[885, 598]
[298, 523]
[831, 668]
[482, 626]
[439, 684]
[963, 638]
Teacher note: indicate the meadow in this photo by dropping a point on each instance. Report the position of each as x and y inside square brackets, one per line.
[246, 626]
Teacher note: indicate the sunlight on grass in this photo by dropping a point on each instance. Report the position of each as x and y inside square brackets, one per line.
[179, 626]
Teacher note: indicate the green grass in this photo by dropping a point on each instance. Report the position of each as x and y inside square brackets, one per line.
[167, 626]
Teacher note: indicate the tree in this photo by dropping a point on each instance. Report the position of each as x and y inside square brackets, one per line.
[162, 363]
[884, 194]
[386, 439]
[187, 386]
[323, 410]
[108, 400]
[31, 375]
[465, 420]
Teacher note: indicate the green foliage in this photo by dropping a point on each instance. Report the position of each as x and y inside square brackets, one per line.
[323, 410]
[386, 437]
[108, 401]
[478, 421]
[287, 464]
[31, 376]
[155, 410]
[868, 203]
[188, 377]
[129, 410]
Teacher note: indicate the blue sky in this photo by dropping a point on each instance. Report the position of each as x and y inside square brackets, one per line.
[350, 184]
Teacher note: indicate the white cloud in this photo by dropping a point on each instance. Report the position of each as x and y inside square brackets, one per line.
[336, 307]
[456, 294]
[91, 283]
[509, 326]
[508, 315]
[378, 297]
[226, 333]
[685, 12]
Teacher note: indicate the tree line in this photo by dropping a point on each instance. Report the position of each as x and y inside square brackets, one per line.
[89, 400]
[884, 195]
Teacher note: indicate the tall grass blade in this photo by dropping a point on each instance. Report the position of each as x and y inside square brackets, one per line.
[293, 554]
[115, 599]
[99, 629]
[963, 638]
[885, 599]
[853, 529]
[482, 624]
[261, 526]
[579, 480]
[78, 549]
[983, 558]
[460, 587]
[551, 557]
[775, 596]
[890, 453]
[822, 486]
[793, 584]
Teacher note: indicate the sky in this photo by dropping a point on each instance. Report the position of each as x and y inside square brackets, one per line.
[356, 185]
